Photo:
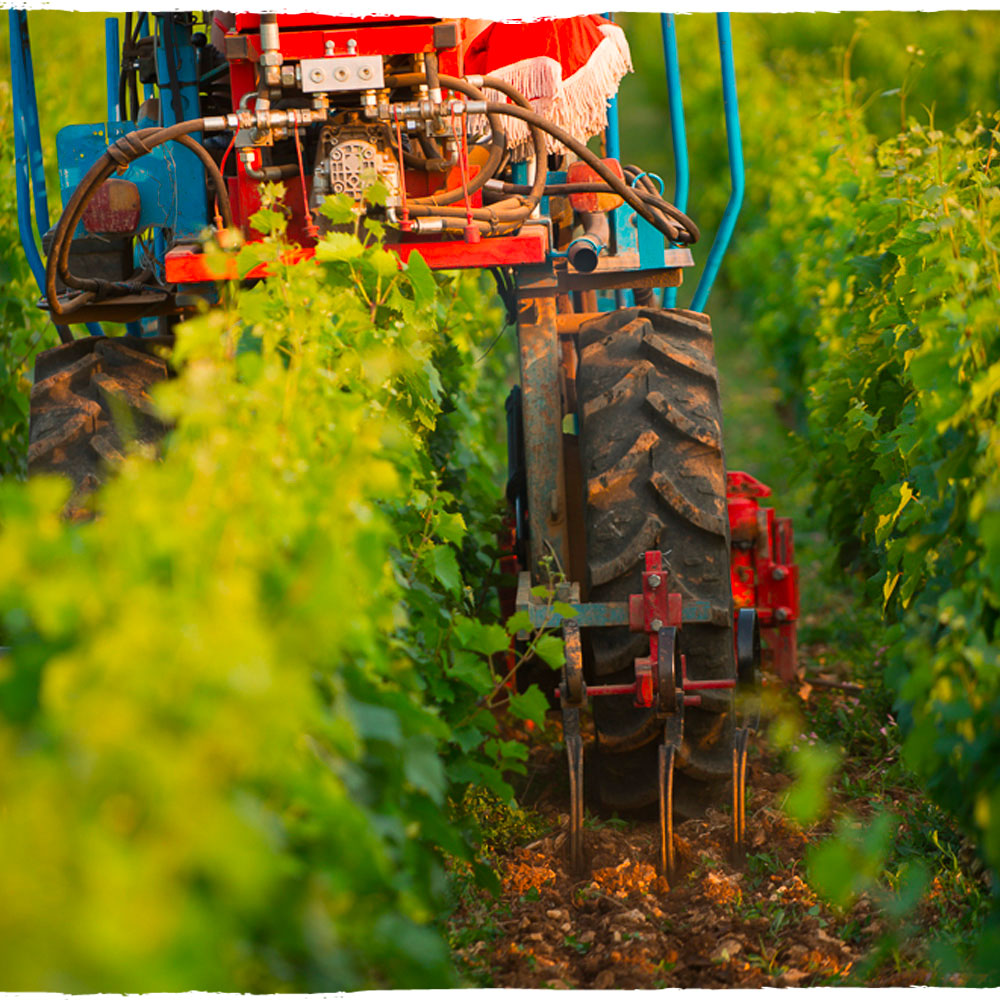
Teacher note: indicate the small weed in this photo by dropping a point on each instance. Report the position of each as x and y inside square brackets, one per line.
[503, 825]
[592, 822]
[580, 947]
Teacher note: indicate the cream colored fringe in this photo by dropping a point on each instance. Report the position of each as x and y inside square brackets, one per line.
[578, 104]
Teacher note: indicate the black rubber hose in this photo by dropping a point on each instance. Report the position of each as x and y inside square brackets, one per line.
[433, 157]
[128, 148]
[123, 70]
[214, 175]
[272, 172]
[431, 66]
[456, 194]
[652, 197]
[663, 207]
[595, 162]
[498, 144]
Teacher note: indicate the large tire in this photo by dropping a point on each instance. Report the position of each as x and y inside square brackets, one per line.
[89, 397]
[651, 442]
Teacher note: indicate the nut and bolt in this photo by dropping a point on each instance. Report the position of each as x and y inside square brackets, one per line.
[352, 46]
[328, 49]
[340, 74]
[316, 75]
[782, 614]
[779, 573]
[365, 72]
[654, 580]
[656, 624]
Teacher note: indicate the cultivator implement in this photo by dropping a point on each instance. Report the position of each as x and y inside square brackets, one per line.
[661, 684]
[617, 483]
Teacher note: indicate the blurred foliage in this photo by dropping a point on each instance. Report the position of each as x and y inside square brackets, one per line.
[22, 330]
[786, 67]
[866, 267]
[240, 701]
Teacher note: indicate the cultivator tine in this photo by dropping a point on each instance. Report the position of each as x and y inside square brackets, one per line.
[574, 754]
[673, 733]
[741, 742]
[573, 694]
[667, 861]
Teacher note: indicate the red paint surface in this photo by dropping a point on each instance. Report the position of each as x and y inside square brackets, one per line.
[186, 265]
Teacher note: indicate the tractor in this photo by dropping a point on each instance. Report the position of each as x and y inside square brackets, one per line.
[620, 501]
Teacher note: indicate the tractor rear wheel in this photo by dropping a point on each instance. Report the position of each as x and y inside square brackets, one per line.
[88, 398]
[654, 478]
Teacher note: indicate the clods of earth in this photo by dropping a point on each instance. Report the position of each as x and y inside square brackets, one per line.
[621, 926]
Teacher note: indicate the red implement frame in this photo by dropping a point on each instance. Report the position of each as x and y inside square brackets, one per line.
[763, 570]
[188, 264]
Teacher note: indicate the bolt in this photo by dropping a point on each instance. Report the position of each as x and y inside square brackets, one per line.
[782, 614]
[656, 624]
[328, 49]
[340, 74]
[316, 75]
[352, 46]
[779, 573]
[654, 580]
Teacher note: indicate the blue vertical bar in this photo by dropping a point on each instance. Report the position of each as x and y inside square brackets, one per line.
[116, 113]
[17, 22]
[177, 72]
[612, 144]
[611, 140]
[29, 169]
[678, 129]
[112, 66]
[32, 133]
[734, 141]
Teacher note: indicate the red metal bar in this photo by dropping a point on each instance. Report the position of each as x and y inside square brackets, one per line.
[599, 690]
[708, 685]
[385, 39]
[189, 265]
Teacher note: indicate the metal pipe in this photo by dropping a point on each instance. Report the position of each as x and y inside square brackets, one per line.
[612, 144]
[112, 66]
[734, 141]
[270, 56]
[678, 130]
[584, 252]
[269, 39]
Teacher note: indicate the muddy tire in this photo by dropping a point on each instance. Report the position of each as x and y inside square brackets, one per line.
[654, 477]
[89, 397]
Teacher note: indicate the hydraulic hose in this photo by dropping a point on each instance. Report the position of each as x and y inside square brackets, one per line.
[214, 175]
[535, 194]
[273, 172]
[498, 149]
[118, 156]
[603, 171]
[498, 144]
[652, 197]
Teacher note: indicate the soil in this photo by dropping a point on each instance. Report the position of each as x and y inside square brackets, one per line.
[620, 925]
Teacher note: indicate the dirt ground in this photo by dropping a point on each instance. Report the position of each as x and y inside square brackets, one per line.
[621, 926]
